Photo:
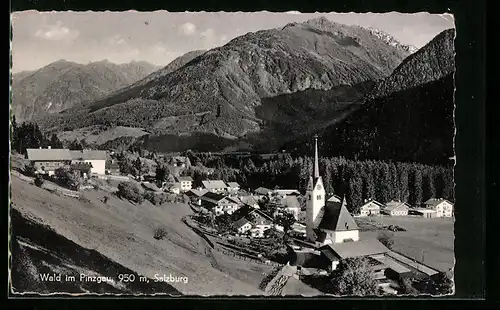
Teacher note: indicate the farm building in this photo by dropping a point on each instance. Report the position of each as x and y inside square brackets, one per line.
[219, 204]
[96, 158]
[233, 187]
[214, 186]
[427, 213]
[371, 207]
[186, 183]
[259, 220]
[242, 225]
[289, 204]
[443, 207]
[335, 252]
[262, 191]
[396, 208]
[46, 161]
[195, 195]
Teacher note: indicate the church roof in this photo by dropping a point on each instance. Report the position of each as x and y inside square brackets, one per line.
[337, 218]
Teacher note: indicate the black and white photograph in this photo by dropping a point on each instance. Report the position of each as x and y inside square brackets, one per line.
[232, 154]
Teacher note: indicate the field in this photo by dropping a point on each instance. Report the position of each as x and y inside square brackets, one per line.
[428, 240]
[123, 233]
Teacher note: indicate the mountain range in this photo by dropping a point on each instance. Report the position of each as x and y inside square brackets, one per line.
[217, 93]
[63, 84]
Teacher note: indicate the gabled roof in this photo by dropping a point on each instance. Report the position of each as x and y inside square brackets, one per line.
[88, 155]
[372, 202]
[289, 202]
[214, 197]
[197, 192]
[354, 249]
[246, 210]
[393, 205]
[241, 222]
[262, 191]
[337, 218]
[214, 184]
[233, 184]
[184, 179]
[434, 202]
[48, 154]
[335, 198]
[248, 200]
[287, 191]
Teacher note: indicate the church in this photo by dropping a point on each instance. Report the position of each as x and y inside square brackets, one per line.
[327, 220]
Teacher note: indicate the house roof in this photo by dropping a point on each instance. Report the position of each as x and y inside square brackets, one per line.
[337, 218]
[197, 192]
[434, 202]
[393, 205]
[184, 179]
[241, 222]
[290, 202]
[213, 197]
[233, 184]
[246, 210]
[248, 200]
[150, 186]
[48, 154]
[88, 155]
[263, 191]
[368, 203]
[335, 198]
[354, 249]
[214, 184]
[287, 191]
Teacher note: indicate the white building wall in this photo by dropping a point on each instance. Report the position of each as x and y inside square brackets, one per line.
[341, 236]
[98, 166]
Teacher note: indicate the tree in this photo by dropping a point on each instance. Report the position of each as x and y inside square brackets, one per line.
[39, 180]
[138, 166]
[55, 143]
[161, 174]
[416, 186]
[285, 220]
[68, 177]
[354, 277]
[386, 239]
[130, 191]
[354, 196]
[429, 190]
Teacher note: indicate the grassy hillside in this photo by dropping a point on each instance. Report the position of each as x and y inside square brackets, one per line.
[123, 232]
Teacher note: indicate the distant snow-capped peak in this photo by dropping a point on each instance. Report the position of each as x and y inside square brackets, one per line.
[387, 38]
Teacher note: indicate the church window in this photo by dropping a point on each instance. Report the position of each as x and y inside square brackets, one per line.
[318, 197]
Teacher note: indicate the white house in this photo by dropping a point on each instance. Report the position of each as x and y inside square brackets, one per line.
[242, 225]
[443, 207]
[215, 186]
[233, 187]
[186, 183]
[422, 212]
[371, 207]
[96, 158]
[219, 204]
[46, 161]
[259, 220]
[175, 188]
[396, 208]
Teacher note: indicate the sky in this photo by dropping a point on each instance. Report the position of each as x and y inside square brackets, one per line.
[40, 38]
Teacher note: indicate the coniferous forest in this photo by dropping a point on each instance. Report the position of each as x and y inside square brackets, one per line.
[355, 179]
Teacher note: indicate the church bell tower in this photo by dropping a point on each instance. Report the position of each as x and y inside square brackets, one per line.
[315, 196]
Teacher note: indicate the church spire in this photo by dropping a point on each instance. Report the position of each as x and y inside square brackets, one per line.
[316, 163]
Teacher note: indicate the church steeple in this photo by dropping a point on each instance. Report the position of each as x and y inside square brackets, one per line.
[316, 161]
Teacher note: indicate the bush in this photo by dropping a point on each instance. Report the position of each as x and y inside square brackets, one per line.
[160, 233]
[130, 191]
[68, 178]
[39, 180]
[354, 277]
[386, 239]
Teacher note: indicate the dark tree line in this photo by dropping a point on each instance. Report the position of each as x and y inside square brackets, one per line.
[356, 180]
[29, 135]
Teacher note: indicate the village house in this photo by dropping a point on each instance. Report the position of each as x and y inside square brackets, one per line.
[259, 220]
[288, 204]
[422, 212]
[396, 208]
[175, 188]
[46, 161]
[443, 207]
[215, 186]
[112, 167]
[195, 195]
[233, 187]
[262, 191]
[186, 183]
[219, 204]
[249, 200]
[371, 207]
[96, 158]
[285, 192]
[242, 226]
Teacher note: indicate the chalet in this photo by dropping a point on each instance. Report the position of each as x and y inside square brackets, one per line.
[96, 158]
[262, 191]
[259, 220]
[443, 207]
[335, 224]
[233, 187]
[371, 207]
[249, 200]
[195, 195]
[186, 183]
[289, 204]
[46, 161]
[214, 186]
[396, 208]
[242, 225]
[218, 204]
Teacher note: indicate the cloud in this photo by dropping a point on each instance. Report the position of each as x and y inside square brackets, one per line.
[115, 40]
[188, 28]
[57, 32]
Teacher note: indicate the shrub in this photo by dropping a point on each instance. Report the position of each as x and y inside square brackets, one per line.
[68, 178]
[386, 239]
[160, 233]
[105, 199]
[39, 180]
[130, 191]
[354, 277]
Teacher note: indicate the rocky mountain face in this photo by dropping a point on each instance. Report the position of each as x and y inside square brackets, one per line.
[387, 38]
[63, 84]
[218, 92]
[409, 116]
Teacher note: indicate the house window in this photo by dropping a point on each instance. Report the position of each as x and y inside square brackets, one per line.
[318, 197]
